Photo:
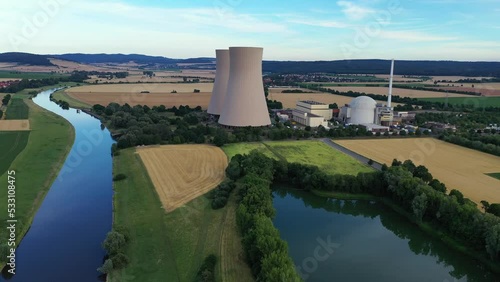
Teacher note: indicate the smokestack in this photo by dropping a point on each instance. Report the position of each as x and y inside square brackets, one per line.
[220, 84]
[389, 100]
[245, 103]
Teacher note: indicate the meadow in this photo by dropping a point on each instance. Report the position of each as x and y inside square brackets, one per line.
[305, 152]
[36, 166]
[17, 109]
[181, 173]
[11, 144]
[458, 167]
[171, 246]
[475, 101]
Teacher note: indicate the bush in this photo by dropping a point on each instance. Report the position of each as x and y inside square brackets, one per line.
[120, 260]
[119, 177]
[206, 273]
[114, 243]
[107, 267]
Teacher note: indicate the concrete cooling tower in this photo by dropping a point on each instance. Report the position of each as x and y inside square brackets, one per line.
[220, 84]
[245, 103]
[362, 110]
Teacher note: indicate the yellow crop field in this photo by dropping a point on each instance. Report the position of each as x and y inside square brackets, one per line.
[14, 125]
[396, 91]
[458, 167]
[181, 173]
[139, 87]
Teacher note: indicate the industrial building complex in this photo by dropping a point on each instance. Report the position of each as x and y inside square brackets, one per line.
[312, 113]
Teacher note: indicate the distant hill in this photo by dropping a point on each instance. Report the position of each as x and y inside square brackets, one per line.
[25, 59]
[122, 58]
[425, 68]
[430, 68]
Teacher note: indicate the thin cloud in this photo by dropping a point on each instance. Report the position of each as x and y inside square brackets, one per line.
[414, 36]
[353, 11]
[326, 23]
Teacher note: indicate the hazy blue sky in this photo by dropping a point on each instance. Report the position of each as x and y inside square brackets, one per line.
[288, 30]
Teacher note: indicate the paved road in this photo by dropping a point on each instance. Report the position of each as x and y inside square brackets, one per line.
[346, 151]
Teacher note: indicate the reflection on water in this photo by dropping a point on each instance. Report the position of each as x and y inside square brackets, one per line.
[336, 240]
[64, 242]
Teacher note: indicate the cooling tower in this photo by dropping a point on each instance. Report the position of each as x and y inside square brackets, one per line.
[245, 103]
[220, 84]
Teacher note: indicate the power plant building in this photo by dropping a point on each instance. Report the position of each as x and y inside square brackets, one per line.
[312, 113]
[220, 84]
[244, 103]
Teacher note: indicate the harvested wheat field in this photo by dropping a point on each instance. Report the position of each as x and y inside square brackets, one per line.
[289, 100]
[396, 91]
[167, 99]
[15, 125]
[181, 173]
[138, 88]
[458, 167]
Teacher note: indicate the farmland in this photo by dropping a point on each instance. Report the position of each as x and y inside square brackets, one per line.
[471, 101]
[458, 167]
[305, 152]
[159, 94]
[17, 109]
[396, 91]
[172, 245]
[37, 165]
[14, 125]
[181, 173]
[12, 143]
[74, 103]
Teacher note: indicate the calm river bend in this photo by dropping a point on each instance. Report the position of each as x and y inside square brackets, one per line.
[335, 240]
[64, 241]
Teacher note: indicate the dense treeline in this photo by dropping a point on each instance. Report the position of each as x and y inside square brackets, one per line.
[36, 83]
[207, 270]
[6, 99]
[472, 143]
[220, 195]
[266, 252]
[410, 187]
[142, 125]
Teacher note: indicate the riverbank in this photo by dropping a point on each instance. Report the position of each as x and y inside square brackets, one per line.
[73, 103]
[171, 245]
[37, 166]
[430, 229]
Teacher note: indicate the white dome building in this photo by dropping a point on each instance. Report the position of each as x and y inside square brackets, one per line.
[362, 110]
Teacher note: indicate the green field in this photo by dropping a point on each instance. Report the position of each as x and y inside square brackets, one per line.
[11, 144]
[472, 101]
[36, 167]
[244, 148]
[304, 152]
[494, 175]
[170, 247]
[73, 103]
[29, 75]
[17, 109]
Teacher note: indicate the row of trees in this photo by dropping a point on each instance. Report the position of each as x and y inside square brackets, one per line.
[266, 252]
[37, 83]
[6, 99]
[220, 195]
[115, 245]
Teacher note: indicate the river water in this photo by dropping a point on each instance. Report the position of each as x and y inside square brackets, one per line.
[64, 241]
[334, 240]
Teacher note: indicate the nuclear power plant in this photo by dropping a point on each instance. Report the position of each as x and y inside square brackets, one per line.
[238, 93]
[365, 111]
[220, 84]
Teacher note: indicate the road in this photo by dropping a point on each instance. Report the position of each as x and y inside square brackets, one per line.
[357, 156]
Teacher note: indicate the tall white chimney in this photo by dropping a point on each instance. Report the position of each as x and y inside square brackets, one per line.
[389, 99]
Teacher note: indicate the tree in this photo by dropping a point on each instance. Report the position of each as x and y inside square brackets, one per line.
[114, 242]
[419, 205]
[458, 195]
[107, 267]
[485, 205]
[423, 173]
[493, 241]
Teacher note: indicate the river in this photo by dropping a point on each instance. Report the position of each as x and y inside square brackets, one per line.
[335, 240]
[64, 241]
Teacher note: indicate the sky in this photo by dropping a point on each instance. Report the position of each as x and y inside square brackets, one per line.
[464, 30]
